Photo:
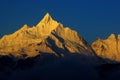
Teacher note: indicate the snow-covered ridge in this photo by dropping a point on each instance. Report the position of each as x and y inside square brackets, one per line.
[48, 36]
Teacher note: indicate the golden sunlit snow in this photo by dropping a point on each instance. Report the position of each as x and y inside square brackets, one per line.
[48, 36]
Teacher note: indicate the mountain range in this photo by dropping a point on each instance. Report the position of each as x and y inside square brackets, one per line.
[51, 37]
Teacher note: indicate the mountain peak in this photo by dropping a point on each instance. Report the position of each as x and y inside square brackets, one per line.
[24, 27]
[108, 48]
[47, 21]
[47, 15]
[47, 18]
[46, 25]
[112, 36]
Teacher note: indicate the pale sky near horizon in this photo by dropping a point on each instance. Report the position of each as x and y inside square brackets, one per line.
[91, 18]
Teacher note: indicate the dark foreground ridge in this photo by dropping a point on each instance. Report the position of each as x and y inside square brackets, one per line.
[55, 68]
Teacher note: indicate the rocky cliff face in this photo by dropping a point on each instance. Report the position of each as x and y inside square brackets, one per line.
[109, 48]
[48, 36]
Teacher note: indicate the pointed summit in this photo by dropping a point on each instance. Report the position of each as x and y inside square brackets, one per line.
[47, 18]
[25, 26]
[47, 15]
[112, 36]
[46, 25]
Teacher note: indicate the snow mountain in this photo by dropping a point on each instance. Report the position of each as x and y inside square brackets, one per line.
[47, 37]
[108, 48]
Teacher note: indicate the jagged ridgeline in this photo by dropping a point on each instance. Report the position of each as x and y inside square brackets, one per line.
[51, 51]
[47, 37]
[108, 48]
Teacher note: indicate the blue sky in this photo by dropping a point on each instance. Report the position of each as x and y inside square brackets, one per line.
[91, 18]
